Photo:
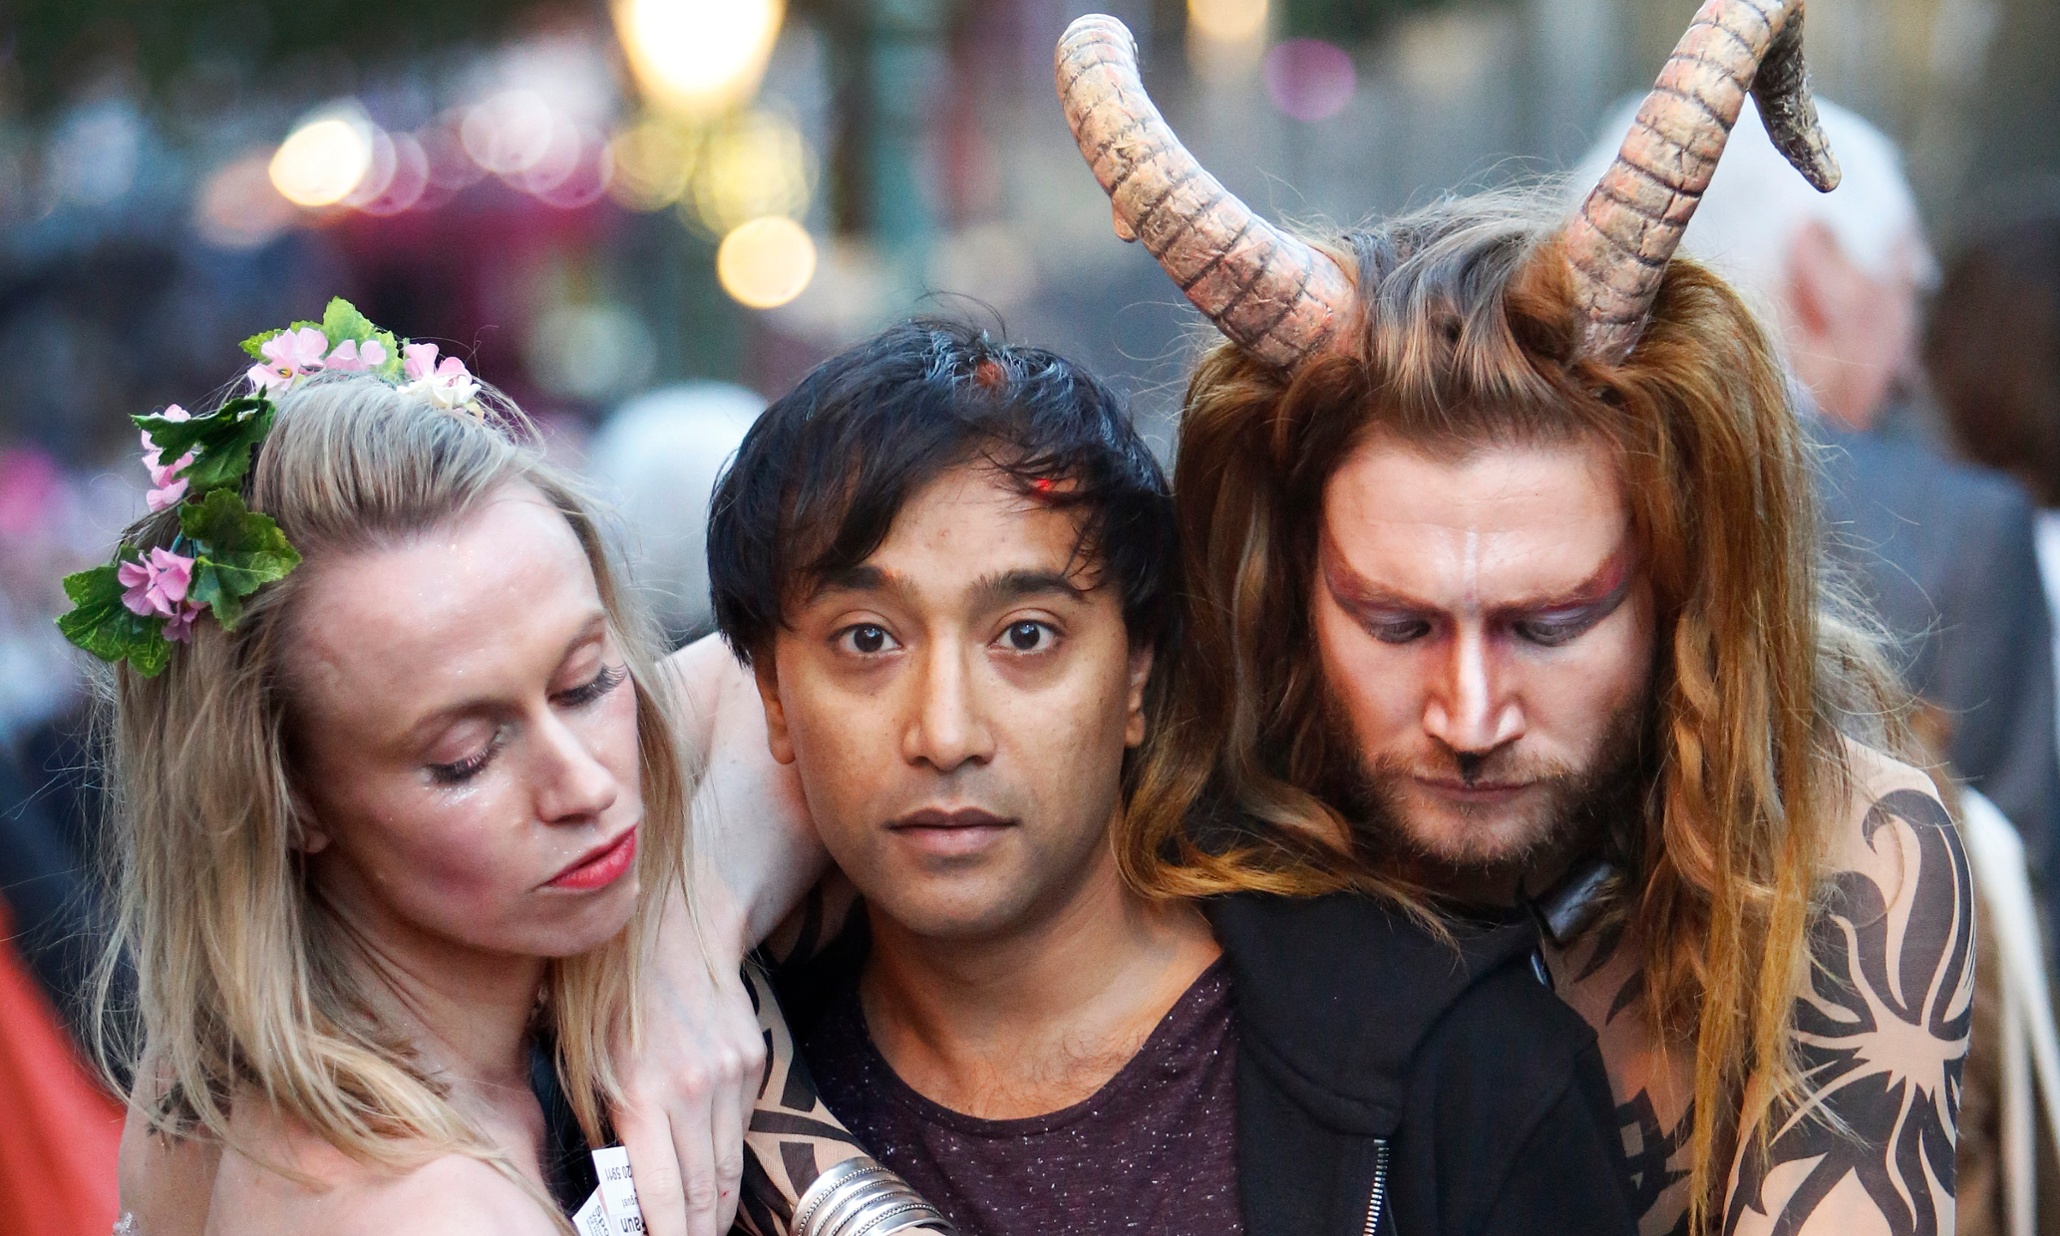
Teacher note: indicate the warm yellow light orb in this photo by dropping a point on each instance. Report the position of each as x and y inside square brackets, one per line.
[753, 165]
[698, 55]
[322, 160]
[1227, 21]
[765, 263]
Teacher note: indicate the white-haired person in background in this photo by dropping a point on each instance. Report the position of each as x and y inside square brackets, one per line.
[657, 459]
[1945, 552]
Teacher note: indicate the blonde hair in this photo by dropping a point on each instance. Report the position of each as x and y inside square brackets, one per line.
[244, 979]
[1471, 338]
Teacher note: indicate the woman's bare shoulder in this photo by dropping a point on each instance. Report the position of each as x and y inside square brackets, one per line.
[165, 1182]
[310, 1187]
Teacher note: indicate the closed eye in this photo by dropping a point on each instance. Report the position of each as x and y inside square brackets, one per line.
[457, 772]
[1398, 629]
[610, 677]
[1555, 631]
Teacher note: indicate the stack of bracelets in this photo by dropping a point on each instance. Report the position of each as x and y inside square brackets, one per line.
[860, 1197]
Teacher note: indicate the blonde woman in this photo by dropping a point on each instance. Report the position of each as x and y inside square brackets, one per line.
[397, 791]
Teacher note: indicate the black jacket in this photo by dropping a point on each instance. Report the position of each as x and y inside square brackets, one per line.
[1373, 1056]
[1373, 1059]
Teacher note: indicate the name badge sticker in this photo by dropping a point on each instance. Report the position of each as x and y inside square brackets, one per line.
[613, 1209]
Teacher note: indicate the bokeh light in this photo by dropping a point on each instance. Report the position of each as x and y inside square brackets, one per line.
[765, 263]
[1227, 21]
[653, 159]
[323, 159]
[1310, 79]
[238, 208]
[698, 55]
[510, 132]
[754, 165]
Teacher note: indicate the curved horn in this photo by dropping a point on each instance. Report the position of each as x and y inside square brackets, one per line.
[1620, 242]
[1273, 295]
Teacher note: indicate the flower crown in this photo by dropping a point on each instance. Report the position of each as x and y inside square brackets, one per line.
[137, 606]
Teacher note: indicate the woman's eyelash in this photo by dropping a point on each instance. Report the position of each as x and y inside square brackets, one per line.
[610, 677]
[467, 768]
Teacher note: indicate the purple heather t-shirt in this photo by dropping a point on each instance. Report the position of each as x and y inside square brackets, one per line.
[1154, 1150]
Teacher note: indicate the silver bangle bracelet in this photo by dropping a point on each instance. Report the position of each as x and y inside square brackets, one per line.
[833, 1181]
[861, 1197]
[837, 1215]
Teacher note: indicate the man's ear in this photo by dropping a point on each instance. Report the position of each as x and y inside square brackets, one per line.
[1140, 675]
[767, 675]
[1818, 271]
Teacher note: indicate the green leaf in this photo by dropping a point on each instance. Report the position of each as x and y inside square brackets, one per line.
[99, 623]
[391, 370]
[221, 440]
[254, 346]
[341, 321]
[240, 552]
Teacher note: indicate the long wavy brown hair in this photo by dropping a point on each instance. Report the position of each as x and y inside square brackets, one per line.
[1469, 338]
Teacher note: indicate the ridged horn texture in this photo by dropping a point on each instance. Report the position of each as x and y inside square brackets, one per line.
[1271, 294]
[1627, 229]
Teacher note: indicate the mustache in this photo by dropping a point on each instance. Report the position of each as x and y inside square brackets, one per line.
[1438, 762]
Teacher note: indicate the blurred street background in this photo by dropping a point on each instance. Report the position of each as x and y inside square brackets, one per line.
[641, 219]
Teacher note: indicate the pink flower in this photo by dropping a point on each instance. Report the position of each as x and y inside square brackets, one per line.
[289, 355]
[418, 360]
[446, 383]
[179, 627]
[354, 357]
[168, 491]
[157, 585]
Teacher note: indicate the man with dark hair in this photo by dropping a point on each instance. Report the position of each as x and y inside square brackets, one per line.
[948, 564]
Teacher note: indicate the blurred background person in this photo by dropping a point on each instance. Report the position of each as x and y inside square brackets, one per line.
[1993, 351]
[1992, 348]
[656, 459]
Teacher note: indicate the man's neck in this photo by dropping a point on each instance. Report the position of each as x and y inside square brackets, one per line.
[1038, 1017]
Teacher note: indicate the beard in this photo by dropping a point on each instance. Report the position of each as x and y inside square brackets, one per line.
[1566, 810]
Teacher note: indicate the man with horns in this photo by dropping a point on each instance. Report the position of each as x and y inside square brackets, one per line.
[1500, 540]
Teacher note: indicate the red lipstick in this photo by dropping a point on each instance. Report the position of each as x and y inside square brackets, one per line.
[599, 867]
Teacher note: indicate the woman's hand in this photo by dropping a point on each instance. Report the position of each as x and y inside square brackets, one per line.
[754, 853]
[690, 1088]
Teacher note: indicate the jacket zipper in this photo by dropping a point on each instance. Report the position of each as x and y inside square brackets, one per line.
[1378, 1201]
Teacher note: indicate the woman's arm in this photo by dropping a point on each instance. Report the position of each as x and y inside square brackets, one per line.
[755, 854]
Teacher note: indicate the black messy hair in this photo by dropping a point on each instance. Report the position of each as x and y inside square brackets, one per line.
[820, 478]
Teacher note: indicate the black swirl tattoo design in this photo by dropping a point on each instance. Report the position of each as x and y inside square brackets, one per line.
[792, 1136]
[1877, 1000]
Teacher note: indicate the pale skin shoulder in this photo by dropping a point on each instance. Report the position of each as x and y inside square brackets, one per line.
[1881, 1035]
[303, 1185]
[1881, 1027]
